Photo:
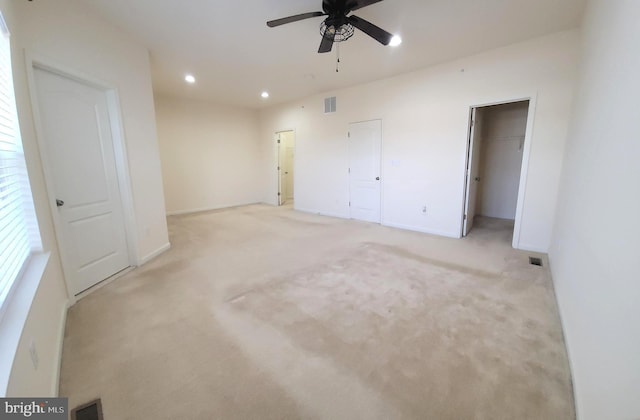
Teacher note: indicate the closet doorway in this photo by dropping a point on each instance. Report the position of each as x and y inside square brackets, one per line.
[497, 137]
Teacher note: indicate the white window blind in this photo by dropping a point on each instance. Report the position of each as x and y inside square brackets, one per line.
[19, 234]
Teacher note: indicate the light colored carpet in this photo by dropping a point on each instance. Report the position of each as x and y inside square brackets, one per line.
[266, 313]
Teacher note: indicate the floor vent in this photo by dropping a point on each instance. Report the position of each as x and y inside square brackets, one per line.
[89, 411]
[535, 261]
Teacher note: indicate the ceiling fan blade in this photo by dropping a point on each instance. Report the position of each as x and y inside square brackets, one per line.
[370, 29]
[294, 18]
[326, 44]
[359, 4]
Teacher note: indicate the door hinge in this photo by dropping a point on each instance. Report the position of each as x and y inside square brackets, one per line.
[349, 170]
[464, 217]
[278, 194]
[278, 141]
[473, 123]
[349, 134]
[349, 203]
[278, 168]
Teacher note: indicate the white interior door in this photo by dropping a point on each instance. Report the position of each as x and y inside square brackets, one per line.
[365, 144]
[82, 176]
[286, 146]
[473, 170]
[288, 171]
[282, 179]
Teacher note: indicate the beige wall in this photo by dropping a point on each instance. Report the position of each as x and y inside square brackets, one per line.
[596, 241]
[61, 32]
[210, 155]
[425, 117]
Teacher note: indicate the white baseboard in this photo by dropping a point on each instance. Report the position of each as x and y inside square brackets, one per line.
[391, 225]
[203, 209]
[320, 213]
[55, 386]
[154, 254]
[531, 248]
[422, 230]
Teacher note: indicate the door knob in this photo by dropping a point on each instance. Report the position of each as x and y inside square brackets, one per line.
[377, 178]
[59, 203]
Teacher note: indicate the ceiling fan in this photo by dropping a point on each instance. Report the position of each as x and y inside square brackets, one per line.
[338, 27]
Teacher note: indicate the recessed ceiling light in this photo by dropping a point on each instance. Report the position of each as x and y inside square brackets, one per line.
[395, 41]
[189, 78]
[265, 95]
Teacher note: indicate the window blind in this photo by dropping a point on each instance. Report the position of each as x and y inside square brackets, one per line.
[19, 235]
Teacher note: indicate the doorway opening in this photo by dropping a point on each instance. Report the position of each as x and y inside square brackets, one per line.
[286, 163]
[497, 144]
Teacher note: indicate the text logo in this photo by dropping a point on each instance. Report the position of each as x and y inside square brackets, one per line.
[34, 408]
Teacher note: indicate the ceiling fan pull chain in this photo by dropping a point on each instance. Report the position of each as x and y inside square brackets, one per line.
[337, 58]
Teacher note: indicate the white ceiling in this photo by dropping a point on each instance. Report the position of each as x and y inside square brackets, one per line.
[235, 56]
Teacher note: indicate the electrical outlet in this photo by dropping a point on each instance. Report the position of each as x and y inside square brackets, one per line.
[34, 354]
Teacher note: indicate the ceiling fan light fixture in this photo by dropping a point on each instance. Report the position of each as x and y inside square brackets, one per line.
[395, 41]
[337, 33]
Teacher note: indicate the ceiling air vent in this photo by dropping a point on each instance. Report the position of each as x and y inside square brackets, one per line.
[330, 105]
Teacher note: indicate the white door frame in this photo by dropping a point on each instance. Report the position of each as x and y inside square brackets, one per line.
[524, 170]
[120, 152]
[276, 155]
